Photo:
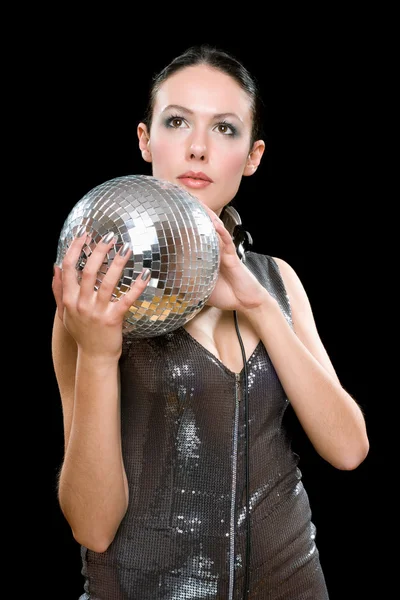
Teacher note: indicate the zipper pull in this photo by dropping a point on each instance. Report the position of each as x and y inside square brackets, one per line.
[238, 390]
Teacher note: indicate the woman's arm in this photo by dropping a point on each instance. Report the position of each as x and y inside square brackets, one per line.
[86, 347]
[330, 417]
[328, 414]
[92, 490]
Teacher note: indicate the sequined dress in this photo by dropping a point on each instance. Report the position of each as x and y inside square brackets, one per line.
[183, 433]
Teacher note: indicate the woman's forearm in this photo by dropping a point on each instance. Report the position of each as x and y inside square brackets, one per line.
[92, 486]
[330, 417]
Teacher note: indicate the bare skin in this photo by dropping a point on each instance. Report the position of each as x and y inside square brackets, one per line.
[87, 333]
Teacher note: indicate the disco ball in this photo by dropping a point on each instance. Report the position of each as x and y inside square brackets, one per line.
[169, 232]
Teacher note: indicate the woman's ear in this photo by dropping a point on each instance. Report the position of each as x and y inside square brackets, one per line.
[254, 158]
[144, 142]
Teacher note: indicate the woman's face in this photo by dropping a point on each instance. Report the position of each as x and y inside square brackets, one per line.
[200, 135]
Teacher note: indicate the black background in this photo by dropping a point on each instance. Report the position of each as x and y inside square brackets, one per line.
[316, 201]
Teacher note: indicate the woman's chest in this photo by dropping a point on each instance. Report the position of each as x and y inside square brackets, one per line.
[224, 336]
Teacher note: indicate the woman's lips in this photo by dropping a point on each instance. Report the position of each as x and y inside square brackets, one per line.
[193, 183]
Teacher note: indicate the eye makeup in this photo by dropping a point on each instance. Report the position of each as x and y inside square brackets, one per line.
[168, 122]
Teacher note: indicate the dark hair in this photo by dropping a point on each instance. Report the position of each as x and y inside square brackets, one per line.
[218, 59]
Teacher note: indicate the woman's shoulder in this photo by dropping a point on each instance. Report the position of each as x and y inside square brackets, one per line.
[284, 267]
[294, 287]
[281, 273]
[269, 271]
[274, 263]
[288, 274]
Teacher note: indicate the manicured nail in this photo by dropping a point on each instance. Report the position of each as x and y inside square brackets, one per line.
[146, 274]
[107, 238]
[125, 249]
[81, 231]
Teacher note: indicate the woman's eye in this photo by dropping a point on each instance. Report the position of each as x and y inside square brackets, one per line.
[225, 129]
[176, 122]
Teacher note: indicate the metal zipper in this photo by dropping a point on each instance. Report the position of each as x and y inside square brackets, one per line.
[233, 490]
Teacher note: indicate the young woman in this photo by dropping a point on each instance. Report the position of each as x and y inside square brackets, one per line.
[178, 479]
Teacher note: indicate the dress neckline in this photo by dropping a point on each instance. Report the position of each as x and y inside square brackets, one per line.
[216, 359]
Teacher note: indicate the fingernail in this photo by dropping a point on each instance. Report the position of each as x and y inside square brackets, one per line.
[146, 274]
[81, 231]
[125, 249]
[107, 238]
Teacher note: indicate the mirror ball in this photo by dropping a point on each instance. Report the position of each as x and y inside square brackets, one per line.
[169, 232]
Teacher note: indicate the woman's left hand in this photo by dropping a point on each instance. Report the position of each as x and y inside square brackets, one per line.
[236, 287]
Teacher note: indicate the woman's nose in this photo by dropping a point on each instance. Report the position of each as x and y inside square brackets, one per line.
[198, 149]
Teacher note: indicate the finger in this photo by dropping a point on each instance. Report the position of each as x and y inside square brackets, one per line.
[208, 210]
[137, 288]
[57, 287]
[71, 257]
[221, 229]
[218, 223]
[96, 264]
[228, 252]
[112, 277]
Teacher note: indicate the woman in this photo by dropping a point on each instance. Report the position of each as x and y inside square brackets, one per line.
[178, 479]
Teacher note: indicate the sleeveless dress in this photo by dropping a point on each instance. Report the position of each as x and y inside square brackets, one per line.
[184, 535]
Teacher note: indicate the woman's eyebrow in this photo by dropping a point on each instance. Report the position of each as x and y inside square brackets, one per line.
[180, 108]
[228, 115]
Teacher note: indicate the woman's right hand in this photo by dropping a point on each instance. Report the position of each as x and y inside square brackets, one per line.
[90, 316]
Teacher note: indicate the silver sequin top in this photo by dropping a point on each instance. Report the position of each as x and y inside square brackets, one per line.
[183, 433]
